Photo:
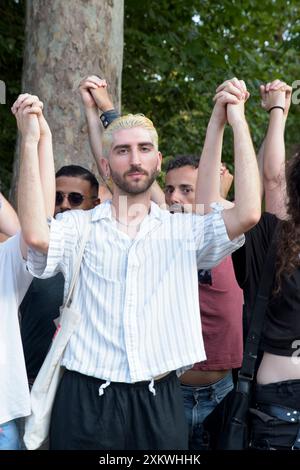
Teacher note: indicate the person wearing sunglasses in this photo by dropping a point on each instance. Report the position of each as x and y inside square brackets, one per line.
[74, 199]
[76, 188]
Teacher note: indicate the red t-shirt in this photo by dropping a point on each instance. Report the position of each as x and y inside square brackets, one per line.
[221, 306]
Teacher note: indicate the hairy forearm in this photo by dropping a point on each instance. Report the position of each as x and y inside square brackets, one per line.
[94, 132]
[208, 181]
[47, 172]
[274, 149]
[31, 205]
[260, 163]
[247, 185]
[274, 165]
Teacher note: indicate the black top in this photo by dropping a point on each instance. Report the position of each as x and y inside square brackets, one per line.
[282, 322]
[38, 309]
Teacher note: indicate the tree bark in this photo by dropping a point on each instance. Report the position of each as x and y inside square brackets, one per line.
[65, 41]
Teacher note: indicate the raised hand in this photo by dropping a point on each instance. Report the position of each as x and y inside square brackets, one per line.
[230, 98]
[28, 110]
[102, 98]
[276, 93]
[93, 91]
[273, 94]
[230, 92]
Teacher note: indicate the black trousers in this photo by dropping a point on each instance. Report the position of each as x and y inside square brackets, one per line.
[125, 417]
[268, 430]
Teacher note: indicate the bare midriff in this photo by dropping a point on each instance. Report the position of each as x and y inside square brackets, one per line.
[275, 368]
[202, 377]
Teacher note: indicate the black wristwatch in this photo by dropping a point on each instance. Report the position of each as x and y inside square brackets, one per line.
[108, 117]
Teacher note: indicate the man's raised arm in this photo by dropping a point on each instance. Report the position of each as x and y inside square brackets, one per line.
[94, 96]
[276, 99]
[46, 165]
[247, 209]
[229, 107]
[208, 181]
[31, 205]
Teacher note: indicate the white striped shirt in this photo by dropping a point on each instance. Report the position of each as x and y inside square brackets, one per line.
[138, 297]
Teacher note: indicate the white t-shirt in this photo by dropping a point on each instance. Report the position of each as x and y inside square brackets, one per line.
[14, 282]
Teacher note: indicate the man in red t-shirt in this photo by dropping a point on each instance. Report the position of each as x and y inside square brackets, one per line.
[221, 301]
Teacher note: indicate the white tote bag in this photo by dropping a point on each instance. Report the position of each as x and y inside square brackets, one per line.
[46, 383]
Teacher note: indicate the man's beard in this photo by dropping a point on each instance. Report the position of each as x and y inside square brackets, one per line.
[129, 187]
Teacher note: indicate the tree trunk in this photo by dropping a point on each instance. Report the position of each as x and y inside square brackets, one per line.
[65, 41]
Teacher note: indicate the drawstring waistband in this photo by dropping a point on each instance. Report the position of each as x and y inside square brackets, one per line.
[151, 384]
[107, 383]
[151, 387]
[102, 387]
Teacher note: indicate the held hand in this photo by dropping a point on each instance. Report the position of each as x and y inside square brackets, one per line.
[28, 125]
[86, 86]
[235, 87]
[27, 109]
[282, 90]
[236, 113]
[36, 108]
[230, 92]
[219, 114]
[102, 98]
[44, 126]
[273, 94]
[24, 100]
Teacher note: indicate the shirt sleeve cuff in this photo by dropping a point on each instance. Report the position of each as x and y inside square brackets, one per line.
[43, 265]
[220, 227]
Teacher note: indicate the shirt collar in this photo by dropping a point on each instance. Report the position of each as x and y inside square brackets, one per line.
[103, 211]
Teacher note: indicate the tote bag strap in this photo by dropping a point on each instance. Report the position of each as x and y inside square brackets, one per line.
[84, 239]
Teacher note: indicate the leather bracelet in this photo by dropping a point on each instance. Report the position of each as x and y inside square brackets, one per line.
[274, 107]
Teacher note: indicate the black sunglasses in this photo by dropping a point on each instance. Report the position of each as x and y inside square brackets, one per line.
[75, 199]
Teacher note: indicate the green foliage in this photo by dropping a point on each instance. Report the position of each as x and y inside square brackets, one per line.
[12, 20]
[177, 52]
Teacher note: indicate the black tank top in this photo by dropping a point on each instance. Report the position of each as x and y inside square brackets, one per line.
[281, 332]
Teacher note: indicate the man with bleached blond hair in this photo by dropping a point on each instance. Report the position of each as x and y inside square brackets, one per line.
[137, 294]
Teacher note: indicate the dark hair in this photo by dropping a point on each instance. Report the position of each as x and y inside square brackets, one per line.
[288, 247]
[77, 171]
[182, 160]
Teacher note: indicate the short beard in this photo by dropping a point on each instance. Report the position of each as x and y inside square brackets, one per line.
[127, 188]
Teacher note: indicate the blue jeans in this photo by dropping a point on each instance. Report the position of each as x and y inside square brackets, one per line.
[9, 436]
[199, 402]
